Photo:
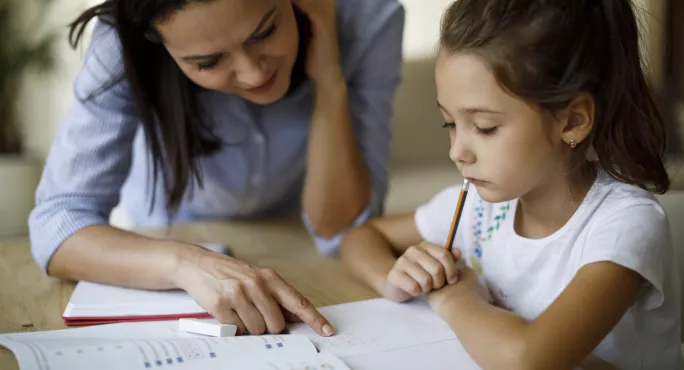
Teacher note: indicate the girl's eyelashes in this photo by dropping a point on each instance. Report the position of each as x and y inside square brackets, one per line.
[486, 131]
[482, 131]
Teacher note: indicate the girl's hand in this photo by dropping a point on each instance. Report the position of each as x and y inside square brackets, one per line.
[323, 60]
[469, 283]
[421, 269]
[257, 300]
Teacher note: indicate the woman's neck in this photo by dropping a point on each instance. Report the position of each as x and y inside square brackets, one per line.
[550, 206]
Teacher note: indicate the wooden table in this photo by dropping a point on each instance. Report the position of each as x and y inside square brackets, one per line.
[30, 301]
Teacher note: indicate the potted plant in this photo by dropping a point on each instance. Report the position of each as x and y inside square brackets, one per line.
[21, 52]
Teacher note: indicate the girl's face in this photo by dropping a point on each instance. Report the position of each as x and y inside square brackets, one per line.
[244, 47]
[503, 144]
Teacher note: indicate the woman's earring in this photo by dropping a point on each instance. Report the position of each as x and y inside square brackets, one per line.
[573, 144]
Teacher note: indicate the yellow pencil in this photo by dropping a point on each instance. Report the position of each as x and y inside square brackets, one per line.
[457, 215]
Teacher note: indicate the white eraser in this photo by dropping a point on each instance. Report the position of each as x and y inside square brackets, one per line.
[210, 327]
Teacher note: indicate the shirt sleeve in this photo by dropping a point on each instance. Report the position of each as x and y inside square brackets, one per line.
[91, 155]
[635, 237]
[371, 86]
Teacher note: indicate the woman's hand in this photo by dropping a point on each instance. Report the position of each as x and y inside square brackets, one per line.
[323, 59]
[421, 269]
[257, 300]
[469, 283]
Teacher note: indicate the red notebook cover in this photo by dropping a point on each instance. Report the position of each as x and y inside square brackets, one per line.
[82, 321]
[93, 303]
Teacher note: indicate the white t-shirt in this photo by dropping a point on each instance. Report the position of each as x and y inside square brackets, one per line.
[616, 222]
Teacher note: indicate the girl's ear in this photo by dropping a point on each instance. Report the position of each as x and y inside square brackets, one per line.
[579, 119]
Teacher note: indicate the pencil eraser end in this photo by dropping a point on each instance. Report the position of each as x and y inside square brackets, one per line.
[209, 327]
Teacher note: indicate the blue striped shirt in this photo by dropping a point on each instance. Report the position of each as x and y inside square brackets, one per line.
[99, 157]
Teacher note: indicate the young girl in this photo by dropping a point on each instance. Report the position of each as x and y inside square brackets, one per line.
[569, 261]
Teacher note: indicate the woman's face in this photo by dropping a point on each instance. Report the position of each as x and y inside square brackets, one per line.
[244, 47]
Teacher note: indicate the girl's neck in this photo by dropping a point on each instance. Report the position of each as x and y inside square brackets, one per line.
[550, 206]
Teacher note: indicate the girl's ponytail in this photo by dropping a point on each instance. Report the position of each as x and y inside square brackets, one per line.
[629, 137]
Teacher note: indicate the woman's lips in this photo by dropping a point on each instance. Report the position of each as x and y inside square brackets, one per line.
[266, 87]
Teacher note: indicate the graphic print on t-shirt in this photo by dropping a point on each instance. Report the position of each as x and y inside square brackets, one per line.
[480, 237]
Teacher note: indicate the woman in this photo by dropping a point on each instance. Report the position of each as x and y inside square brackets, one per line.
[231, 108]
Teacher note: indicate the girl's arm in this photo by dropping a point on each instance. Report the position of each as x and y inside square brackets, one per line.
[370, 251]
[562, 337]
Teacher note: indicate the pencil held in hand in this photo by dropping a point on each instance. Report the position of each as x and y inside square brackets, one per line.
[457, 215]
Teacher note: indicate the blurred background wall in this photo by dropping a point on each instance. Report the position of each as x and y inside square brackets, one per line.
[419, 146]
[415, 136]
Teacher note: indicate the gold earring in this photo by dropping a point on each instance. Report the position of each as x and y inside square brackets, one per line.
[573, 144]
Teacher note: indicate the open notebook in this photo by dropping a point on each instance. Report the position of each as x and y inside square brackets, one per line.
[374, 334]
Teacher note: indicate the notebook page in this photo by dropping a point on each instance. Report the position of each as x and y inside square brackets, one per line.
[98, 300]
[447, 355]
[376, 326]
[158, 345]
[321, 361]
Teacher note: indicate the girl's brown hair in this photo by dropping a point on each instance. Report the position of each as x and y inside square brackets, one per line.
[547, 52]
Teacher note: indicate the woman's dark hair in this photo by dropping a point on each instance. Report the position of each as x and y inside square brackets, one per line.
[547, 52]
[165, 98]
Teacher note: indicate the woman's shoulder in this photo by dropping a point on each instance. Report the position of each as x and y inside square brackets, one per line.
[361, 19]
[104, 43]
[367, 9]
[103, 61]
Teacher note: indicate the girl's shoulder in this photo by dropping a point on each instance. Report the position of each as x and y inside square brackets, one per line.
[611, 200]
[626, 225]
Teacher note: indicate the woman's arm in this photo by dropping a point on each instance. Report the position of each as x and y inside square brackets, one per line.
[349, 134]
[562, 337]
[111, 256]
[337, 186]
[232, 291]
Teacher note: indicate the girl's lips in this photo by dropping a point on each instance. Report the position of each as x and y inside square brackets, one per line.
[475, 181]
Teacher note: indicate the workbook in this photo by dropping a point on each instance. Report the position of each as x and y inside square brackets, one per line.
[92, 303]
[373, 334]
